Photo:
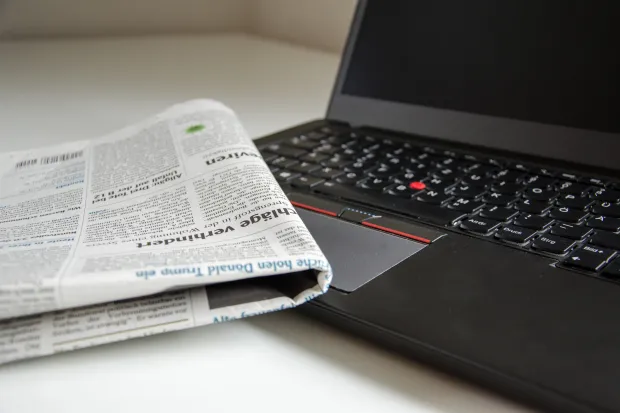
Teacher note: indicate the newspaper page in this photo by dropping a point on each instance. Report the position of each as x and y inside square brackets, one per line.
[168, 224]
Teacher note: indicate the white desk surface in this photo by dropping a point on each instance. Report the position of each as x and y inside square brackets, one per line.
[61, 90]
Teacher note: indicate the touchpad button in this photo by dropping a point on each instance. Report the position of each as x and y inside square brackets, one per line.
[357, 254]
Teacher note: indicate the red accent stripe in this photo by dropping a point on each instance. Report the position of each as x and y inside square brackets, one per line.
[396, 232]
[315, 209]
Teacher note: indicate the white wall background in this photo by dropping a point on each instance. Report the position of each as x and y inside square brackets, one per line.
[321, 24]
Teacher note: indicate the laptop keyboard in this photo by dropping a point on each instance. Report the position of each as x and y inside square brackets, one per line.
[574, 218]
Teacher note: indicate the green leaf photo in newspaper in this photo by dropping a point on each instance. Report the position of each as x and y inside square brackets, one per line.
[195, 128]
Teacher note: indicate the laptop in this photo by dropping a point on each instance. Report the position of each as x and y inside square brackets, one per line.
[465, 186]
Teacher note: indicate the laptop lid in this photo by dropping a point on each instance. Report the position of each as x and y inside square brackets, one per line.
[538, 77]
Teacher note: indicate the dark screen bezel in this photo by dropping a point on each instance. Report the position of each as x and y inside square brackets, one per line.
[580, 146]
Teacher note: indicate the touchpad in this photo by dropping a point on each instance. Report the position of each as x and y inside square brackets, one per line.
[357, 254]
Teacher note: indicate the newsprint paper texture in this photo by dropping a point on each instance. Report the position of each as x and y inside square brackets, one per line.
[168, 224]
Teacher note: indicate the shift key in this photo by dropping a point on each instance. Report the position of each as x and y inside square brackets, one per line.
[421, 210]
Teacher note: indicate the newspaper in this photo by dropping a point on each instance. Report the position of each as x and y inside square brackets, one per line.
[168, 224]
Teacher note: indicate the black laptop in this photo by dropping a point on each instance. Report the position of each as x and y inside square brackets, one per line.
[465, 186]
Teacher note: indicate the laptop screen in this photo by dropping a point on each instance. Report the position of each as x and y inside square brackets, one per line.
[545, 61]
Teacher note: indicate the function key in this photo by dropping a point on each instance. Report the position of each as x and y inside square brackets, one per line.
[570, 231]
[552, 244]
[589, 258]
[588, 180]
[498, 213]
[606, 195]
[518, 235]
[479, 225]
[574, 201]
[568, 176]
[532, 207]
[606, 239]
[604, 223]
[532, 221]
[567, 214]
[606, 208]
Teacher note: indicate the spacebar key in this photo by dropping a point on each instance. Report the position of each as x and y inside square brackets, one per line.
[421, 210]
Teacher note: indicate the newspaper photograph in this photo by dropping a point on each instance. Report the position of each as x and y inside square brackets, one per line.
[168, 224]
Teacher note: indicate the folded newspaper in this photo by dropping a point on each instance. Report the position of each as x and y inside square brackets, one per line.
[168, 224]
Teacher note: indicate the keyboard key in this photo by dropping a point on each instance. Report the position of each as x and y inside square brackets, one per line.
[606, 195]
[532, 221]
[304, 167]
[518, 235]
[302, 142]
[305, 181]
[604, 223]
[349, 178]
[574, 201]
[567, 214]
[589, 258]
[287, 151]
[382, 171]
[570, 231]
[612, 270]
[327, 149]
[269, 157]
[588, 180]
[540, 194]
[314, 135]
[417, 167]
[374, 184]
[569, 187]
[336, 162]
[282, 162]
[537, 181]
[357, 167]
[273, 169]
[479, 225]
[447, 173]
[438, 184]
[505, 187]
[433, 197]
[347, 153]
[532, 207]
[495, 198]
[467, 191]
[327, 173]
[568, 176]
[552, 244]
[511, 176]
[314, 157]
[498, 213]
[466, 205]
[401, 190]
[483, 170]
[518, 167]
[606, 208]
[283, 175]
[421, 210]
[406, 177]
[606, 239]
[544, 172]
[477, 180]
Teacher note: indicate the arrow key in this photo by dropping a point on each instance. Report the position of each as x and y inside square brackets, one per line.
[589, 258]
